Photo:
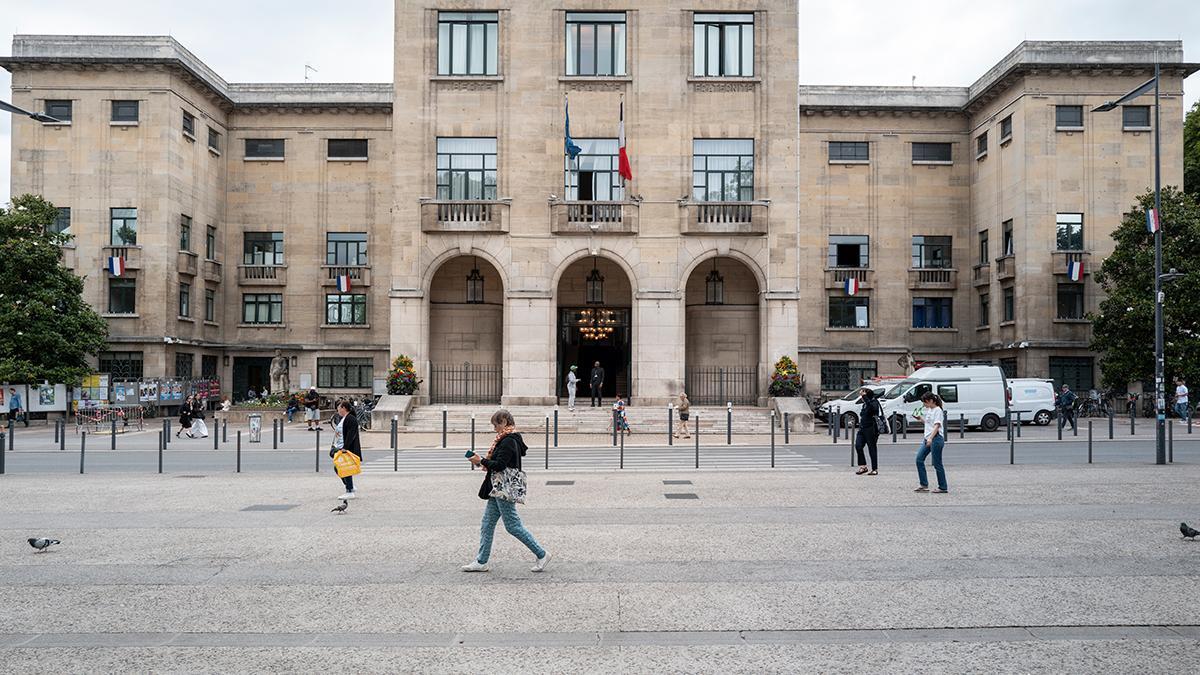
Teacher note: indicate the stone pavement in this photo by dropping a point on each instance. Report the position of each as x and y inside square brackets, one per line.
[1018, 569]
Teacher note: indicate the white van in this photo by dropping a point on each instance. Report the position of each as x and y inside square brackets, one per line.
[846, 407]
[977, 393]
[1033, 398]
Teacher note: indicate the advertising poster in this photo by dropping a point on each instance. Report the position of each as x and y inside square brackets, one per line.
[149, 392]
[48, 398]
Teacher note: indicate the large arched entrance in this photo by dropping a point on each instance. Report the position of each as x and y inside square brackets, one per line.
[722, 333]
[466, 329]
[595, 307]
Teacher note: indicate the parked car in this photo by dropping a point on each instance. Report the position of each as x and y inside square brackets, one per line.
[1033, 398]
[975, 393]
[846, 407]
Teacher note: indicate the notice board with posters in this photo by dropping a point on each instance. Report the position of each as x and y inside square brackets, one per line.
[48, 398]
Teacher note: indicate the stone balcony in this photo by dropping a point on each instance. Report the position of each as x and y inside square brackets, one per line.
[131, 254]
[1063, 258]
[725, 218]
[1006, 267]
[594, 217]
[982, 274]
[212, 270]
[933, 279]
[262, 275]
[186, 263]
[835, 277]
[360, 275]
[473, 215]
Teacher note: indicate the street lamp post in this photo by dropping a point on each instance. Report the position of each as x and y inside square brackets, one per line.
[38, 116]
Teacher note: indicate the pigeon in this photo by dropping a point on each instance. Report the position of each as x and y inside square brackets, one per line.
[342, 509]
[1183, 529]
[41, 543]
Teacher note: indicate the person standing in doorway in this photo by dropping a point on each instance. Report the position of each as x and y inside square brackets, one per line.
[345, 437]
[684, 407]
[312, 408]
[932, 442]
[1066, 407]
[1181, 399]
[868, 435]
[572, 383]
[597, 383]
[16, 408]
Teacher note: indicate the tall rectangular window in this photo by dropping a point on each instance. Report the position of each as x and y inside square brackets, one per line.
[347, 148]
[932, 313]
[210, 243]
[1069, 235]
[185, 232]
[60, 110]
[593, 174]
[346, 309]
[262, 248]
[848, 250]
[1006, 128]
[185, 300]
[123, 227]
[983, 247]
[1068, 117]
[1010, 305]
[121, 365]
[214, 139]
[262, 308]
[208, 366]
[1133, 117]
[346, 249]
[264, 148]
[62, 222]
[189, 124]
[849, 312]
[931, 152]
[1007, 243]
[931, 252]
[183, 365]
[595, 43]
[985, 309]
[210, 305]
[723, 169]
[1070, 301]
[846, 375]
[981, 145]
[1077, 372]
[466, 168]
[344, 373]
[124, 111]
[849, 151]
[468, 43]
[1009, 366]
[122, 295]
[723, 45]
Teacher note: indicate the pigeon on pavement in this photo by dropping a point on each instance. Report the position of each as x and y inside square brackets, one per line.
[41, 543]
[342, 509]
[1187, 531]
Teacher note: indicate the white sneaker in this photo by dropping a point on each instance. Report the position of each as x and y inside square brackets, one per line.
[348, 495]
[475, 566]
[541, 563]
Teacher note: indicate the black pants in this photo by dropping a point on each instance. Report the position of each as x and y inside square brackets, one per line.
[868, 436]
[348, 481]
[597, 395]
[13, 417]
[1068, 415]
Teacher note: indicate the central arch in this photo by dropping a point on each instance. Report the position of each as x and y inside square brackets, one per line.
[594, 323]
[466, 331]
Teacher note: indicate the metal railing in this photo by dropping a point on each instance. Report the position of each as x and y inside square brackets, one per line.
[594, 212]
[465, 212]
[465, 383]
[718, 385]
[724, 212]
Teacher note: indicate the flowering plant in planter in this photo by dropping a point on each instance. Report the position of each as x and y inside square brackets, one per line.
[402, 379]
[786, 380]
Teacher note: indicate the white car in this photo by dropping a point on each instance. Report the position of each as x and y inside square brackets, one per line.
[1033, 398]
[846, 408]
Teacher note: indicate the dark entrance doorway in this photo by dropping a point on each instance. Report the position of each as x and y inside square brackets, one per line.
[250, 371]
[590, 334]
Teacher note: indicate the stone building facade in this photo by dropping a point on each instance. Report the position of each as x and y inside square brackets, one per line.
[471, 242]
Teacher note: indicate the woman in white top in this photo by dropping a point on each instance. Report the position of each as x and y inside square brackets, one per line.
[572, 382]
[931, 443]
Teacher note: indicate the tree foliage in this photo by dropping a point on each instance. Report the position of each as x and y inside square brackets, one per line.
[1123, 330]
[47, 331]
[1191, 152]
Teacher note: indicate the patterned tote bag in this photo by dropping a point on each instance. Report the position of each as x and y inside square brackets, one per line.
[509, 486]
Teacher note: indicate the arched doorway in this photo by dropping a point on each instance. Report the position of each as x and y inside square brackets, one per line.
[595, 308]
[466, 329]
[722, 333]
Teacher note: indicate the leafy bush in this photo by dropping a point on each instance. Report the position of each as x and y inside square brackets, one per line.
[402, 379]
[786, 380]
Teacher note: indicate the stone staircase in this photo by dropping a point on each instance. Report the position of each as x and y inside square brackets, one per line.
[585, 419]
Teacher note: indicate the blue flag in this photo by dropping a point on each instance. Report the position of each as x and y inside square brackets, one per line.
[572, 149]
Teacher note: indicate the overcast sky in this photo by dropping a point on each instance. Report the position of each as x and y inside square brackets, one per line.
[941, 42]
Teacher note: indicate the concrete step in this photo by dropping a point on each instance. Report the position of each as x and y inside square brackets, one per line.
[586, 419]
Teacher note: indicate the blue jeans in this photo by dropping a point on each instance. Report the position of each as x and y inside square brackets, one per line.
[497, 508]
[1181, 409]
[935, 447]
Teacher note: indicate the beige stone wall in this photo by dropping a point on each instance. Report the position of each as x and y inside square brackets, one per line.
[460, 332]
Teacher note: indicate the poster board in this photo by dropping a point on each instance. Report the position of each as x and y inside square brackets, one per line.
[48, 398]
[22, 391]
[93, 392]
[148, 392]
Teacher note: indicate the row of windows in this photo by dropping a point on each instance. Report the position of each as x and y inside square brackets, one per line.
[341, 309]
[853, 250]
[129, 112]
[335, 148]
[1068, 236]
[860, 151]
[334, 373]
[938, 312]
[1070, 118]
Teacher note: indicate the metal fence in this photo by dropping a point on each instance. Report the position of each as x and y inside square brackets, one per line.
[464, 383]
[718, 385]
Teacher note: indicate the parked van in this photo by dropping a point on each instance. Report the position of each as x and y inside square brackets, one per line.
[846, 407]
[977, 393]
[1033, 398]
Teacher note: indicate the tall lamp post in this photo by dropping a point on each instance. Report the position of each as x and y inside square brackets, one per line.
[38, 116]
[1160, 407]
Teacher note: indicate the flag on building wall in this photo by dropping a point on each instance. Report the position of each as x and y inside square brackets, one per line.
[343, 283]
[1152, 223]
[623, 166]
[568, 144]
[1075, 271]
[852, 286]
[116, 265]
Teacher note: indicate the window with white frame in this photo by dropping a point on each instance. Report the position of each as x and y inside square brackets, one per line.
[595, 43]
[468, 43]
[466, 168]
[723, 169]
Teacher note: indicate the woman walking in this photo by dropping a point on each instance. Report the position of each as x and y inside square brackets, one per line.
[199, 428]
[931, 443]
[505, 453]
[869, 419]
[622, 415]
[684, 406]
[185, 418]
[345, 437]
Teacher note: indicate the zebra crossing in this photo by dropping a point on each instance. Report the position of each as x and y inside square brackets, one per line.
[650, 458]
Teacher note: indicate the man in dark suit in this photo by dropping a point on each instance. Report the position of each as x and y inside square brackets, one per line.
[597, 383]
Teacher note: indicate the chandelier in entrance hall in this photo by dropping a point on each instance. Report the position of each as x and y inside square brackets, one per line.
[596, 324]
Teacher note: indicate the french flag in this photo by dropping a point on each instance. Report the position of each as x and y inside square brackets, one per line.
[623, 165]
[343, 283]
[1075, 271]
[852, 286]
[116, 265]
[1152, 223]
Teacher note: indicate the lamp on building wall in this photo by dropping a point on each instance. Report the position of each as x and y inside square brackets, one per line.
[475, 285]
[594, 292]
[295, 361]
[714, 287]
[225, 360]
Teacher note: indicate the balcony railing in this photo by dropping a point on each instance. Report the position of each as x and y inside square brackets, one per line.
[835, 277]
[131, 254]
[933, 279]
[737, 218]
[1006, 267]
[1062, 259]
[360, 275]
[594, 217]
[187, 263]
[982, 274]
[262, 275]
[464, 216]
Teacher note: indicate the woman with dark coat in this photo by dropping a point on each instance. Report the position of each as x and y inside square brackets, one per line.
[345, 437]
[185, 418]
[505, 453]
[868, 432]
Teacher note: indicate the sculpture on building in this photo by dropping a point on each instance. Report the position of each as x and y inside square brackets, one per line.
[908, 362]
[279, 373]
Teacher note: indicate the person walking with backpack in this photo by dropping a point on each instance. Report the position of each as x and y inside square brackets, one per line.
[870, 418]
[346, 437]
[504, 455]
[1066, 407]
[932, 442]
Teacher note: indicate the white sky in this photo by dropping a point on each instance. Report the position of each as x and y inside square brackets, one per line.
[941, 42]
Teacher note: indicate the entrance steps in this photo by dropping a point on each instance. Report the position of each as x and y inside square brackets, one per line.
[585, 419]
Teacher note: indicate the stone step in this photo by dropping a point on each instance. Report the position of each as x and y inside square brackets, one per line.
[586, 420]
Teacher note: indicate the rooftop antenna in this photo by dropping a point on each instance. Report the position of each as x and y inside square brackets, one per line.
[308, 68]
[914, 80]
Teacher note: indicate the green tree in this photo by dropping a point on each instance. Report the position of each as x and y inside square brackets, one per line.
[1123, 330]
[47, 331]
[1191, 152]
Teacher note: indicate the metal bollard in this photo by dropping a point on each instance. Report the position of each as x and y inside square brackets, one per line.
[547, 436]
[1012, 449]
[281, 425]
[239, 451]
[834, 425]
[317, 461]
[670, 426]
[62, 438]
[1018, 424]
[1089, 441]
[160, 451]
[555, 427]
[895, 424]
[114, 433]
[903, 426]
[614, 427]
[546, 466]
[55, 431]
[1170, 441]
[849, 437]
[216, 435]
[1132, 418]
[697, 440]
[224, 431]
[396, 430]
[1008, 424]
[1110, 425]
[82, 448]
[472, 435]
[962, 425]
[772, 439]
[622, 449]
[1061, 421]
[2, 453]
[1075, 428]
[728, 423]
[167, 422]
[1189, 420]
[786, 428]
[444, 415]
[274, 434]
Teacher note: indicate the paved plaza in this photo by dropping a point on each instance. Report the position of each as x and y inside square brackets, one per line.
[1064, 568]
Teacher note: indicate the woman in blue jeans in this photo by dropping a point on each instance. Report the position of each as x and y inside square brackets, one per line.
[505, 453]
[932, 442]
